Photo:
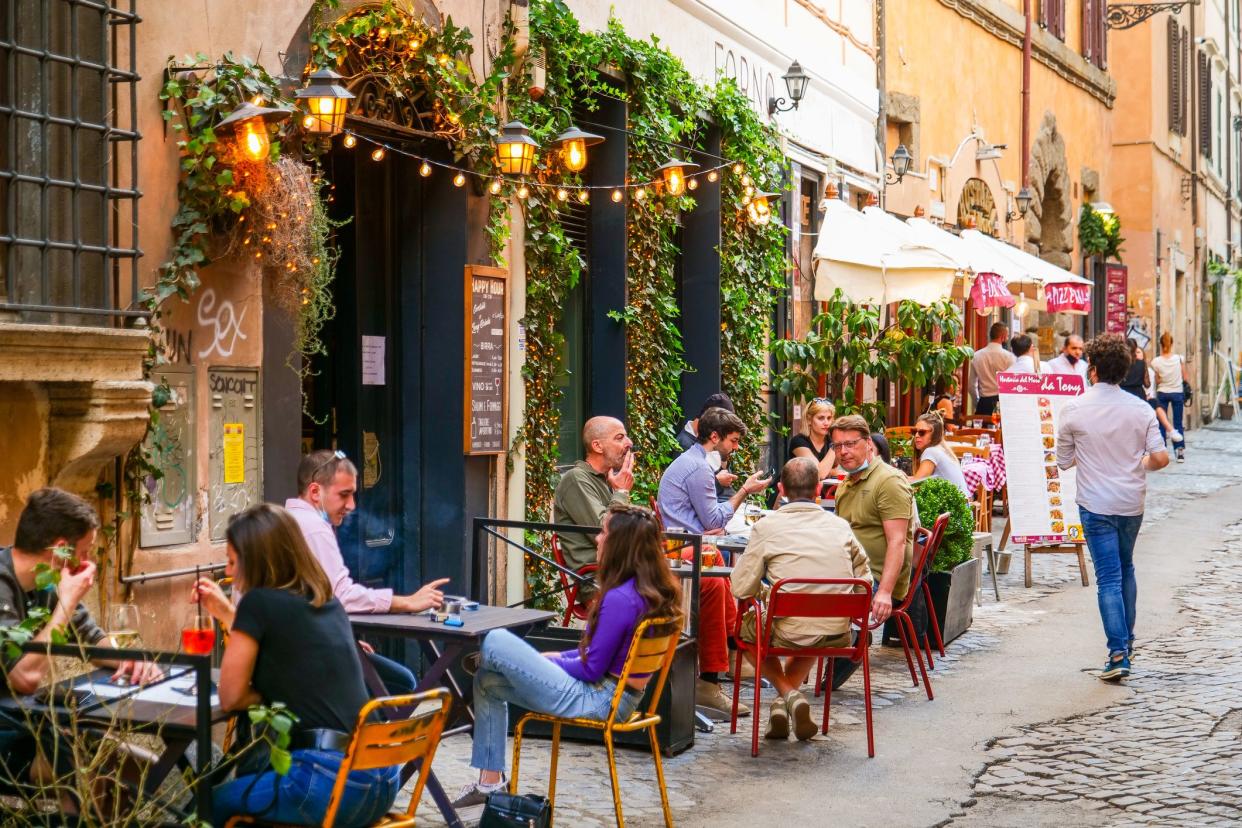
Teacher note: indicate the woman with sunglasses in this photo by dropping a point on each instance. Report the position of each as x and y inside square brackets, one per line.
[634, 583]
[815, 441]
[933, 457]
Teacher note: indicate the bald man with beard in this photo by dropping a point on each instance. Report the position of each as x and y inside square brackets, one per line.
[605, 476]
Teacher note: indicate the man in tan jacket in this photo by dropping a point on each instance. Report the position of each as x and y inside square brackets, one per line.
[801, 540]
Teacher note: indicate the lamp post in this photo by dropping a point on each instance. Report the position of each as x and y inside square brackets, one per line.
[325, 103]
[515, 149]
[901, 160]
[796, 82]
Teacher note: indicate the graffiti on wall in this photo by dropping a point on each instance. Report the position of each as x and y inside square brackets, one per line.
[222, 324]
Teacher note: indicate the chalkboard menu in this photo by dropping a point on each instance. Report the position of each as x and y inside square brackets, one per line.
[486, 408]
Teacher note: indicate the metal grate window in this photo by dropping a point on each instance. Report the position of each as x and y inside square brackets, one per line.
[68, 161]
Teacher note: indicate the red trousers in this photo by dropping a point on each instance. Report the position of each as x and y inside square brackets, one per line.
[717, 616]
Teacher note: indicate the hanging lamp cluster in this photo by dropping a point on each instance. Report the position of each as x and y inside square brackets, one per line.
[326, 101]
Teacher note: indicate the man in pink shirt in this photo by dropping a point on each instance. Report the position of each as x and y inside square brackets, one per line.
[327, 482]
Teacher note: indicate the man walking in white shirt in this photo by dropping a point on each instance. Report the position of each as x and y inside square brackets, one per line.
[989, 361]
[1111, 437]
[327, 482]
[1071, 359]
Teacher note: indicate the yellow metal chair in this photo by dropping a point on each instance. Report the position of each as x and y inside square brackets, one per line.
[647, 655]
[383, 744]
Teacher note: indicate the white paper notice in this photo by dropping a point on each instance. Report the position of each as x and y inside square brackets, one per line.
[372, 360]
[1042, 507]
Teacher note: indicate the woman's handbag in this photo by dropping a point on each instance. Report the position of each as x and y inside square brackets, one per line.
[1186, 392]
[506, 810]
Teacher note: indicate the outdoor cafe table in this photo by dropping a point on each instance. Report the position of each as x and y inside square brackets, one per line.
[163, 708]
[444, 646]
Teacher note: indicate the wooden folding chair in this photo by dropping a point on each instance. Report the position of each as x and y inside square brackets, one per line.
[854, 605]
[648, 655]
[385, 744]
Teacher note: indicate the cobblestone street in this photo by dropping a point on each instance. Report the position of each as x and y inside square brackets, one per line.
[1165, 748]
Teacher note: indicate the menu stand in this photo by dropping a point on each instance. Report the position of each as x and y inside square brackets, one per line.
[1058, 549]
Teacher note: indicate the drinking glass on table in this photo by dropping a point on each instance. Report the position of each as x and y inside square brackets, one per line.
[752, 514]
[123, 626]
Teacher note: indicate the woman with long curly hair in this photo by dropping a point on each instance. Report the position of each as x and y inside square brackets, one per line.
[634, 583]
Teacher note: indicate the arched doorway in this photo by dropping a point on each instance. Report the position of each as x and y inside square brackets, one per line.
[1049, 230]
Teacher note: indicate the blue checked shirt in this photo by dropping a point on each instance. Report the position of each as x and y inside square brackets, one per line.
[688, 494]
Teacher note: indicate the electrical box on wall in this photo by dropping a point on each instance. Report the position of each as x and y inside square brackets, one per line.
[234, 435]
[168, 519]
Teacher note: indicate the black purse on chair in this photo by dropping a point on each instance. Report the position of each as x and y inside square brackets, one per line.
[506, 810]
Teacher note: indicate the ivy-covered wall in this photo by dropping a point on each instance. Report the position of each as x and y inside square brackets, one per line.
[668, 114]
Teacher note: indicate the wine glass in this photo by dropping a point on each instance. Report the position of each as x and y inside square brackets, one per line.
[753, 513]
[123, 626]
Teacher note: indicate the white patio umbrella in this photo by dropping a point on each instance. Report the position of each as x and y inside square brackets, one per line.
[874, 259]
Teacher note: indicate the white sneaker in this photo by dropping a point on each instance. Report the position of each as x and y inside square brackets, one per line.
[1175, 436]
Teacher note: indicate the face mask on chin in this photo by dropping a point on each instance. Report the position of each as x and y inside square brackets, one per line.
[1071, 359]
[860, 469]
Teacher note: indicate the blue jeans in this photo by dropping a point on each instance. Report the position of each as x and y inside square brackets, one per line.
[301, 796]
[396, 676]
[1178, 400]
[512, 671]
[1111, 541]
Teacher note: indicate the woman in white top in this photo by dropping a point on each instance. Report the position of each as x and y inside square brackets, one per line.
[1170, 370]
[934, 458]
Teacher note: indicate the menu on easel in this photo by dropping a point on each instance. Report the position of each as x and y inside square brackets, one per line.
[1042, 508]
[486, 401]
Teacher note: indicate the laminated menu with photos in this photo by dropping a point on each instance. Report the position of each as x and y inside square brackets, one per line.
[1041, 508]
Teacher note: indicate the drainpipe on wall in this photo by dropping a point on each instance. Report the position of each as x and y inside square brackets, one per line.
[881, 121]
[1026, 102]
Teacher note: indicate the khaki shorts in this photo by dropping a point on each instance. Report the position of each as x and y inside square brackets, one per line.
[747, 634]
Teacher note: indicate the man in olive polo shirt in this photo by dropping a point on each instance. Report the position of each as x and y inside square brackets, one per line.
[586, 490]
[878, 503]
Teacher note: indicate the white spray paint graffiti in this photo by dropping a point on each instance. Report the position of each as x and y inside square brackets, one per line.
[225, 321]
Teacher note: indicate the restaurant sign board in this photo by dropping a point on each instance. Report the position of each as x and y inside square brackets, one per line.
[1042, 508]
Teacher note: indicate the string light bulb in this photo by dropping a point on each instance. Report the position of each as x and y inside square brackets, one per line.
[459, 179]
[692, 184]
[640, 193]
[350, 141]
[713, 175]
[584, 196]
[424, 169]
[523, 191]
[746, 182]
[494, 187]
[737, 169]
[562, 194]
[617, 195]
[377, 154]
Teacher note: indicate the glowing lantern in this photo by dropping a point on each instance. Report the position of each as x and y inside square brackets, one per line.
[248, 123]
[515, 149]
[674, 172]
[325, 102]
[573, 143]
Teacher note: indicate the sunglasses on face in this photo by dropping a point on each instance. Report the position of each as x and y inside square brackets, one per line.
[923, 432]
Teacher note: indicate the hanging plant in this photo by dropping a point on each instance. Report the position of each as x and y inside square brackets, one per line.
[1099, 234]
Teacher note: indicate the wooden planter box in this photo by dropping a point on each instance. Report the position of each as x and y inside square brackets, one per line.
[675, 731]
[953, 597]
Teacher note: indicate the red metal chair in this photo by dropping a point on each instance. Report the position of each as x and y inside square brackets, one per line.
[655, 510]
[934, 540]
[573, 607]
[856, 606]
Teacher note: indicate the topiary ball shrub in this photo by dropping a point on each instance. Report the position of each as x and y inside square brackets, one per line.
[934, 497]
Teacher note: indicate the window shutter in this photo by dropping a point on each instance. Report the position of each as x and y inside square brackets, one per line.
[1205, 106]
[1183, 85]
[1174, 86]
[1052, 17]
[1101, 33]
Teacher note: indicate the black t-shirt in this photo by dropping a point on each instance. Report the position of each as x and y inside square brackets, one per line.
[1136, 379]
[307, 657]
[803, 441]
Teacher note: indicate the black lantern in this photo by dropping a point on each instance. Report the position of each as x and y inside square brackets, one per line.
[901, 159]
[515, 149]
[325, 103]
[248, 123]
[674, 173]
[573, 143]
[1024, 198]
[796, 82]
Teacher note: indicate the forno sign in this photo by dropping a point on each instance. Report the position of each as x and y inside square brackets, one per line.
[755, 79]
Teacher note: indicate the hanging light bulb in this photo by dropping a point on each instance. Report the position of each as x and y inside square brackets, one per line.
[459, 179]
[674, 172]
[617, 195]
[562, 194]
[350, 141]
[523, 191]
[494, 187]
[746, 182]
[424, 169]
[737, 169]
[573, 144]
[640, 193]
[377, 154]
[248, 123]
[583, 196]
[713, 175]
[1020, 310]
[758, 208]
[692, 184]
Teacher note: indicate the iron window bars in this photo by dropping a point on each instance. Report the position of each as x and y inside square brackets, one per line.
[69, 161]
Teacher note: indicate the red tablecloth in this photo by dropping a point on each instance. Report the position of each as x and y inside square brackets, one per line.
[990, 472]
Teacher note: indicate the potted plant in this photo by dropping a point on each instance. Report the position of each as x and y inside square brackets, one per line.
[954, 574]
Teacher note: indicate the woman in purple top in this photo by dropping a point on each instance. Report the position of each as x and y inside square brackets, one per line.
[634, 583]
